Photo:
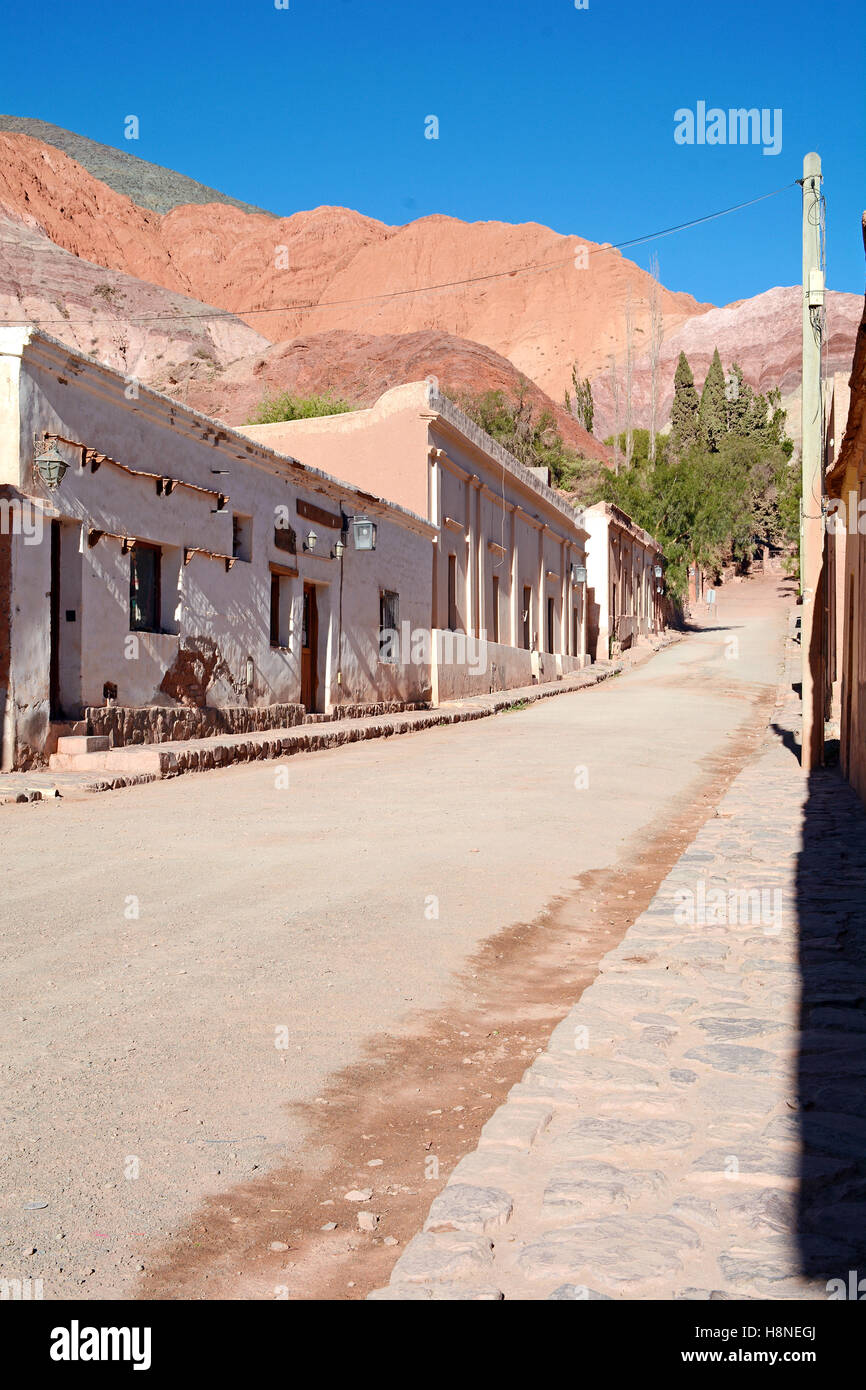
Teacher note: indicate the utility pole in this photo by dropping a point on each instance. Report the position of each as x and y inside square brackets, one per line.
[812, 453]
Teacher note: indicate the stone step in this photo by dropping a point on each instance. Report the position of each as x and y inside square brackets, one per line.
[147, 758]
[82, 743]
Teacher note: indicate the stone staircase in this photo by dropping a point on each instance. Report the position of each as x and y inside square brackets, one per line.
[93, 753]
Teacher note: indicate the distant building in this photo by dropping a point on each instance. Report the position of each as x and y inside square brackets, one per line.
[509, 560]
[625, 588]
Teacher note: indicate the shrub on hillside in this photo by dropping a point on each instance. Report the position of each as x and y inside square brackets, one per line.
[286, 406]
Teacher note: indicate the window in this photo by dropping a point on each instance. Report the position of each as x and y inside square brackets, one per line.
[275, 610]
[453, 621]
[495, 614]
[389, 627]
[527, 617]
[551, 612]
[242, 537]
[144, 588]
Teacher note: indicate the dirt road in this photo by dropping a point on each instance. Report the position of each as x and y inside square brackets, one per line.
[226, 998]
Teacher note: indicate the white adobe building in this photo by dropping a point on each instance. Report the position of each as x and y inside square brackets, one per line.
[156, 567]
[163, 576]
[624, 573]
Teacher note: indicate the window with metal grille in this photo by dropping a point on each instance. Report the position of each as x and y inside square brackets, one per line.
[389, 626]
[144, 588]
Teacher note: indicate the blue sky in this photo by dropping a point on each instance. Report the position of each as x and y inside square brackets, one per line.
[546, 113]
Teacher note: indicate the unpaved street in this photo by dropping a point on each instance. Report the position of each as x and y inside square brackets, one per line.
[198, 970]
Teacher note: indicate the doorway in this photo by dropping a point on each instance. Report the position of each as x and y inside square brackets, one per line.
[64, 658]
[309, 649]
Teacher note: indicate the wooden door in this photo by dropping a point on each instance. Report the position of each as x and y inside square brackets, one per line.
[309, 646]
[54, 649]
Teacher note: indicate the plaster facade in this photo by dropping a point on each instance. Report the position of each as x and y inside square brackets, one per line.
[156, 496]
[508, 548]
[624, 602]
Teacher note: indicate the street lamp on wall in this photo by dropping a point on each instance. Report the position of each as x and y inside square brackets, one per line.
[578, 574]
[311, 541]
[364, 532]
[50, 463]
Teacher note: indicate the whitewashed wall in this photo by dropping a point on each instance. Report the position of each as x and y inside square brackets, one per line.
[224, 611]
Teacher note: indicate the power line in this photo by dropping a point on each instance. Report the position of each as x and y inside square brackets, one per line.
[303, 305]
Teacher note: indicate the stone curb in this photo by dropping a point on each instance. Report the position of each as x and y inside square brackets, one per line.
[150, 762]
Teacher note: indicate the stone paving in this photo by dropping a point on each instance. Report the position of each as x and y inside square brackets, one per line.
[688, 1133]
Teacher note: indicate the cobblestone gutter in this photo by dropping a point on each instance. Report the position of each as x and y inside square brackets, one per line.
[687, 1134]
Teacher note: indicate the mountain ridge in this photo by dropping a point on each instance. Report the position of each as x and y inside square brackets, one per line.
[481, 305]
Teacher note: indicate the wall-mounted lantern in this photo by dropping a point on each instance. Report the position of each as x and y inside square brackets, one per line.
[339, 548]
[578, 574]
[657, 571]
[50, 464]
[364, 532]
[311, 541]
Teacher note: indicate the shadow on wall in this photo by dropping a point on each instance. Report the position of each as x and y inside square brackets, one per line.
[831, 906]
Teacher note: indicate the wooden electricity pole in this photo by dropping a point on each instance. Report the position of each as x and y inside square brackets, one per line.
[811, 453]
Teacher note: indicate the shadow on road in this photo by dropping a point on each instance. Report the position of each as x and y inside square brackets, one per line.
[831, 903]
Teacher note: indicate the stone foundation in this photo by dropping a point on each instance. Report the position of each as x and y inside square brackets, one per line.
[124, 725]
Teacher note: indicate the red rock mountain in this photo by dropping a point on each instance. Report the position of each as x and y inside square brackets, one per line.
[332, 300]
[332, 262]
[761, 334]
[358, 367]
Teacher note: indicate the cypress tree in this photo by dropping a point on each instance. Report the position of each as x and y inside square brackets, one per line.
[684, 411]
[738, 402]
[712, 416]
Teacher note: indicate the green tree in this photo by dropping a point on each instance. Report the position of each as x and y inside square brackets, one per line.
[684, 411]
[738, 402]
[710, 505]
[641, 447]
[712, 417]
[530, 433]
[580, 405]
[749, 415]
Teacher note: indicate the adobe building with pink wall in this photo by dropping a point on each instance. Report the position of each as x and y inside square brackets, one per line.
[508, 566]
